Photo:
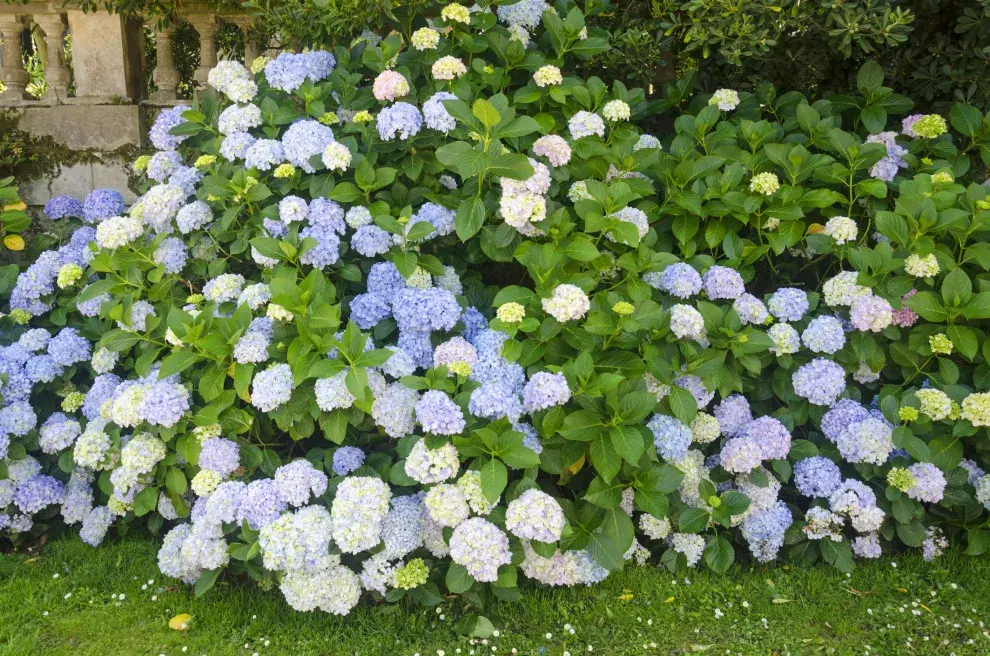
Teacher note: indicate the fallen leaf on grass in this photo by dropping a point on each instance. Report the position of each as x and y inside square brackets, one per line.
[669, 600]
[180, 622]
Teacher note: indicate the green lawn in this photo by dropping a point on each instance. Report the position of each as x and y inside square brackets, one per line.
[74, 600]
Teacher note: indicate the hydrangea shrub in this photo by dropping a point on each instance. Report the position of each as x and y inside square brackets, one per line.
[427, 312]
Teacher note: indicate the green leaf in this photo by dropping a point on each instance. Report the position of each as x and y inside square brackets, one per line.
[486, 113]
[511, 165]
[719, 554]
[966, 119]
[693, 520]
[494, 478]
[628, 442]
[470, 218]
[683, 404]
[178, 362]
[582, 426]
[206, 581]
[604, 457]
[175, 481]
[145, 501]
[458, 579]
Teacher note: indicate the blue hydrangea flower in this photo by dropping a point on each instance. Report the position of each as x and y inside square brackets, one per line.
[172, 254]
[272, 387]
[817, 477]
[723, 282]
[164, 122]
[788, 304]
[671, 438]
[820, 381]
[102, 204]
[347, 459]
[63, 207]
[436, 115]
[69, 347]
[401, 119]
[303, 140]
[263, 154]
[824, 335]
[438, 414]
[370, 240]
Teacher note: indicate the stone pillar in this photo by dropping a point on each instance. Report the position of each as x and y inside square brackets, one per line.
[252, 49]
[166, 76]
[11, 64]
[101, 63]
[56, 72]
[206, 26]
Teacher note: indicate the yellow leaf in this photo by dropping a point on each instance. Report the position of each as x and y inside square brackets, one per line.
[902, 590]
[780, 600]
[576, 467]
[180, 622]
[669, 600]
[14, 242]
[816, 229]
[18, 206]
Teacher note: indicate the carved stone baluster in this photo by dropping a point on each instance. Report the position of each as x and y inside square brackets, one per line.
[12, 65]
[56, 72]
[206, 26]
[166, 76]
[252, 49]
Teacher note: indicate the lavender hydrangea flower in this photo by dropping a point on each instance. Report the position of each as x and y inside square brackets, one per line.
[764, 531]
[401, 119]
[438, 414]
[63, 207]
[750, 309]
[172, 255]
[220, 455]
[481, 547]
[788, 304]
[929, 482]
[545, 390]
[820, 381]
[102, 204]
[535, 515]
[671, 438]
[824, 335]
[722, 282]
[733, 415]
[817, 477]
[347, 459]
[272, 387]
[297, 480]
[261, 504]
[37, 493]
[164, 122]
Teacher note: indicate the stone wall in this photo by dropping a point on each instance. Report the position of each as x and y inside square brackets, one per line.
[99, 104]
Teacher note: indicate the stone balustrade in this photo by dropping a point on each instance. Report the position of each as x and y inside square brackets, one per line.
[97, 97]
[107, 53]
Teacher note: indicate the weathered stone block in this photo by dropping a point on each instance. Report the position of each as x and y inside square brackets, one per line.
[85, 127]
[101, 57]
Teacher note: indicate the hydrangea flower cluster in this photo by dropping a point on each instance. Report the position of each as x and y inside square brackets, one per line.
[298, 334]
